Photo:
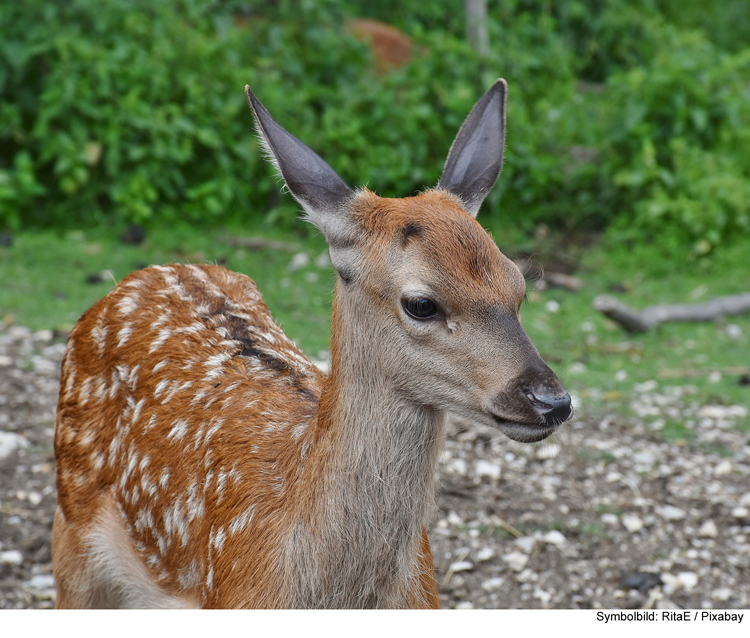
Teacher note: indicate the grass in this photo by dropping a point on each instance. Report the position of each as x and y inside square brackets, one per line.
[43, 284]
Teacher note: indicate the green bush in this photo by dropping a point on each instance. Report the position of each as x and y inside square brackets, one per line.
[625, 113]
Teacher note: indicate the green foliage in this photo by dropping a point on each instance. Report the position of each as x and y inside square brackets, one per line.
[629, 114]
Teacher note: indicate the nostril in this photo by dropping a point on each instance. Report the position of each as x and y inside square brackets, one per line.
[554, 408]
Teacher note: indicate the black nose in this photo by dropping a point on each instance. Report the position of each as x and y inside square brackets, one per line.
[555, 409]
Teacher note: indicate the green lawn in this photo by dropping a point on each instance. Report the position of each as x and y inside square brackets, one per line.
[43, 284]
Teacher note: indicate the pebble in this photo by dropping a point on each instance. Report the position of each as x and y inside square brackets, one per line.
[610, 519]
[723, 594]
[525, 543]
[723, 468]
[41, 581]
[671, 513]
[485, 468]
[740, 512]
[10, 442]
[454, 519]
[632, 523]
[461, 566]
[11, 557]
[549, 450]
[708, 530]
[516, 560]
[485, 554]
[734, 331]
[544, 597]
[300, 260]
[688, 580]
[492, 584]
[555, 538]
[457, 466]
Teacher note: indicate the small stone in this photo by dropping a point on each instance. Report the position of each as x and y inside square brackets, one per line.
[632, 523]
[300, 260]
[722, 594]
[745, 499]
[671, 513]
[5, 361]
[485, 468]
[544, 597]
[553, 537]
[610, 519]
[492, 584]
[708, 530]
[454, 519]
[740, 512]
[734, 331]
[688, 580]
[516, 560]
[43, 335]
[466, 604]
[552, 306]
[11, 557]
[461, 566]
[525, 543]
[35, 498]
[485, 554]
[621, 375]
[549, 450]
[723, 468]
[457, 466]
[644, 458]
[10, 442]
[527, 576]
[41, 581]
[646, 386]
[323, 366]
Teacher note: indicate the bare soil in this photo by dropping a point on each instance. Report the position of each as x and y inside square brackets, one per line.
[609, 515]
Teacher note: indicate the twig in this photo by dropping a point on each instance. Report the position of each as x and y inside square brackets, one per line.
[635, 321]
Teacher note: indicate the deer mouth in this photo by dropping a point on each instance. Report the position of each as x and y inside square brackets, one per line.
[525, 432]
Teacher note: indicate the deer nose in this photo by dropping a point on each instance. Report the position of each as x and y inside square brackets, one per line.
[555, 408]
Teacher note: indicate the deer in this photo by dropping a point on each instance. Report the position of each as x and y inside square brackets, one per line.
[203, 461]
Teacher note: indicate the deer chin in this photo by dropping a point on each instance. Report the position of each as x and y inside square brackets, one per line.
[524, 432]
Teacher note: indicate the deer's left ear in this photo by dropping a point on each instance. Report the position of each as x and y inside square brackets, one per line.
[476, 156]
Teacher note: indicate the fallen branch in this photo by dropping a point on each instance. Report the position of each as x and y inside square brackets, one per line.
[635, 321]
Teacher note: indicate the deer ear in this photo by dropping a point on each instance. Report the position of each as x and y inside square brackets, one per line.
[311, 181]
[476, 156]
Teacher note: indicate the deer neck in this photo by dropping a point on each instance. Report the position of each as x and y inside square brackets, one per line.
[375, 478]
[379, 438]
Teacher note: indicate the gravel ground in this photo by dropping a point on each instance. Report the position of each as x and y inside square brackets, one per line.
[607, 516]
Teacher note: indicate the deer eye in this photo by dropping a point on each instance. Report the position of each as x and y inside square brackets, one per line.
[420, 308]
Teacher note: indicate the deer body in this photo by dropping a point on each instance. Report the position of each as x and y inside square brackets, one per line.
[202, 460]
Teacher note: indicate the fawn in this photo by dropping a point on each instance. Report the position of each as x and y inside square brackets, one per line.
[203, 461]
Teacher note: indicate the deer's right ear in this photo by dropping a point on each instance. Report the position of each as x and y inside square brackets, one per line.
[312, 182]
